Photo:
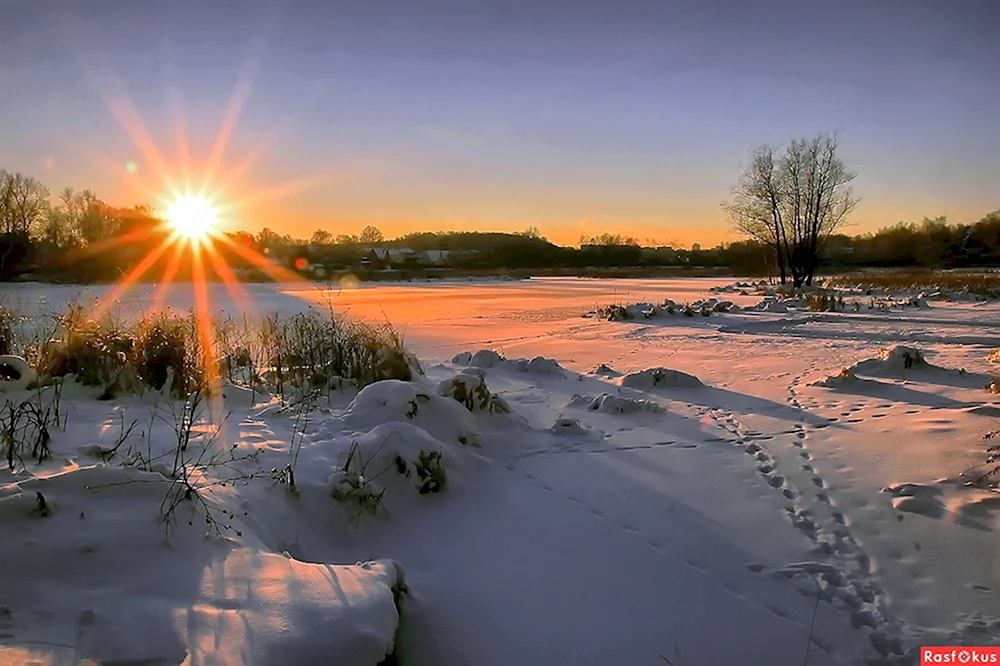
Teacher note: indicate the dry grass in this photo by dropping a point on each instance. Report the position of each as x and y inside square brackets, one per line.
[306, 351]
[982, 284]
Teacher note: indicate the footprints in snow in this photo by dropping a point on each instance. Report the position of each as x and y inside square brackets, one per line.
[627, 527]
[847, 580]
[858, 598]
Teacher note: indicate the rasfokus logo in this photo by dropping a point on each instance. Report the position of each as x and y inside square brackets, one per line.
[960, 655]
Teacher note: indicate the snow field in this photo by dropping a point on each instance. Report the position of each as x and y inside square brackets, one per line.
[692, 487]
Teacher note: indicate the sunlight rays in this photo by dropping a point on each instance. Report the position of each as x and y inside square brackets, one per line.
[234, 110]
[190, 214]
[122, 108]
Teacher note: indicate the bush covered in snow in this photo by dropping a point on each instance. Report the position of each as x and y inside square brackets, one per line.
[609, 403]
[705, 308]
[470, 389]
[391, 451]
[895, 359]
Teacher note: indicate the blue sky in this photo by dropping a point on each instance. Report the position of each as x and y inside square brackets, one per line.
[575, 117]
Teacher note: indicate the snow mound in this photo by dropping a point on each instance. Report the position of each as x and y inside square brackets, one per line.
[462, 358]
[390, 454]
[539, 365]
[711, 305]
[660, 378]
[770, 304]
[735, 288]
[649, 311]
[618, 404]
[15, 374]
[396, 401]
[845, 376]
[895, 359]
[570, 427]
[125, 605]
[605, 370]
[470, 389]
[484, 358]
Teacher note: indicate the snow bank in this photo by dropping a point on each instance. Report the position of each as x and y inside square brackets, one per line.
[660, 378]
[95, 574]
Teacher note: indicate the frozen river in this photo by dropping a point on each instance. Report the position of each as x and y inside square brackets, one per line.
[435, 317]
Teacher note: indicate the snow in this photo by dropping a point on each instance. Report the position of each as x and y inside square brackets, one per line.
[558, 489]
[95, 571]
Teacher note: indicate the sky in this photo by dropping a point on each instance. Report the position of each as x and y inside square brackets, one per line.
[573, 117]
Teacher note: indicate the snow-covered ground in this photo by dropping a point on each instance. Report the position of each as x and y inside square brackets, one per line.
[597, 510]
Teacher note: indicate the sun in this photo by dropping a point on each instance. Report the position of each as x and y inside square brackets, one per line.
[192, 217]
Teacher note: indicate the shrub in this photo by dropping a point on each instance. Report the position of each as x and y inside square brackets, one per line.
[162, 345]
[310, 349]
[306, 351]
[97, 352]
[7, 322]
[471, 391]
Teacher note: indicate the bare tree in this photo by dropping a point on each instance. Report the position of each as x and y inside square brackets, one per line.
[371, 235]
[60, 228]
[533, 232]
[57, 229]
[793, 202]
[321, 237]
[608, 239]
[757, 206]
[23, 202]
[95, 219]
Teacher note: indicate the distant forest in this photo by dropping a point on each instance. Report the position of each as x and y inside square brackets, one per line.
[81, 239]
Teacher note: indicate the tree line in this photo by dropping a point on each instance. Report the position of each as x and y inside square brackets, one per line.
[789, 204]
